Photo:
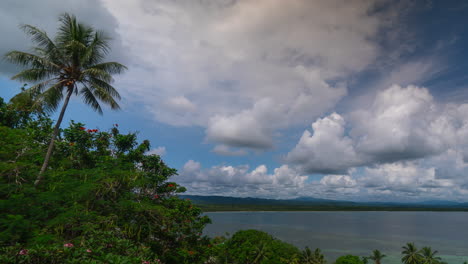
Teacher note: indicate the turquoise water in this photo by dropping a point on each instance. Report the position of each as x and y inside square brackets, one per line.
[358, 233]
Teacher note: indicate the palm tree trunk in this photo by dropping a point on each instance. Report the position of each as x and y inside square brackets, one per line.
[52, 140]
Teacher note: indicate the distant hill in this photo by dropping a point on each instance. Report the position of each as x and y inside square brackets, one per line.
[442, 202]
[250, 200]
[226, 203]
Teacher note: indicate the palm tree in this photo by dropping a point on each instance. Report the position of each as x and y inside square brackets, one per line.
[312, 258]
[69, 64]
[307, 255]
[411, 254]
[377, 256]
[428, 256]
[365, 260]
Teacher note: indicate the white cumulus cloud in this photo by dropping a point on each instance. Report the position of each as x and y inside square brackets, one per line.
[327, 150]
[243, 69]
[402, 123]
[240, 180]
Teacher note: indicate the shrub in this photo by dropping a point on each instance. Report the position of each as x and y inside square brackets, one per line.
[101, 193]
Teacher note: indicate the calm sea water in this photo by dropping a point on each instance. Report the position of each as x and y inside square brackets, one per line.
[358, 233]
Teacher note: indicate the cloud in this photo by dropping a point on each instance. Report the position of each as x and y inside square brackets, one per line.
[408, 180]
[404, 146]
[181, 104]
[241, 130]
[226, 151]
[327, 150]
[402, 123]
[161, 151]
[240, 180]
[338, 181]
[230, 60]
[437, 177]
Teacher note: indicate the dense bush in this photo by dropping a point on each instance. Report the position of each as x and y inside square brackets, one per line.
[253, 246]
[102, 199]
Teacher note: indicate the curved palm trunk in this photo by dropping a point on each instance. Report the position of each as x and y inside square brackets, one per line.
[52, 140]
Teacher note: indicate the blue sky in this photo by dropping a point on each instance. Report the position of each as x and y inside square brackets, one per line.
[356, 100]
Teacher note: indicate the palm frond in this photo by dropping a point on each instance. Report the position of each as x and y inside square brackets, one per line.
[75, 46]
[39, 87]
[50, 99]
[84, 34]
[90, 99]
[97, 49]
[74, 37]
[66, 29]
[26, 59]
[105, 97]
[110, 67]
[106, 87]
[98, 74]
[33, 75]
[40, 37]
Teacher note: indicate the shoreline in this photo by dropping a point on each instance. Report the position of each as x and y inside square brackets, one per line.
[342, 211]
[210, 208]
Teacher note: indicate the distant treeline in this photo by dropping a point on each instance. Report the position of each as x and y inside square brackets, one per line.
[221, 203]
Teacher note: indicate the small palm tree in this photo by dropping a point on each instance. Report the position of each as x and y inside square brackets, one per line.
[307, 256]
[365, 260]
[428, 256]
[69, 64]
[319, 257]
[411, 254]
[377, 256]
[312, 258]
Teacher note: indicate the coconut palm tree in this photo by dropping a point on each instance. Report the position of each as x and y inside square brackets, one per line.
[312, 258]
[411, 254]
[365, 260]
[428, 256]
[377, 256]
[307, 256]
[71, 63]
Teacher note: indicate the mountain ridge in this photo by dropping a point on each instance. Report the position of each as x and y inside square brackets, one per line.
[312, 201]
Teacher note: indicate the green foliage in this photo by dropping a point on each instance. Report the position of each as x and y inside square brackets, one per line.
[348, 259]
[309, 257]
[428, 256]
[253, 246]
[102, 194]
[377, 256]
[19, 112]
[411, 255]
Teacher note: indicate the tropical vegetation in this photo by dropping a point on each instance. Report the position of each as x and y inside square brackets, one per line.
[70, 64]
